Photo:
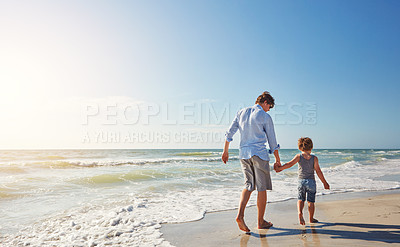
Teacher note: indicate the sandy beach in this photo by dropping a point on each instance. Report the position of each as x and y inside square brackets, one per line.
[348, 219]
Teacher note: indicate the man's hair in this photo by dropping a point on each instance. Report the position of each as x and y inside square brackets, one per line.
[265, 96]
[305, 144]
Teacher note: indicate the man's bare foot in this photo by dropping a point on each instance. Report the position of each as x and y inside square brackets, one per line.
[301, 219]
[264, 225]
[313, 220]
[242, 225]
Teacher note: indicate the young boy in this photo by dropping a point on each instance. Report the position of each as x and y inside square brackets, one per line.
[306, 186]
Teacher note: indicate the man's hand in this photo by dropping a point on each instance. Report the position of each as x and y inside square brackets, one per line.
[225, 157]
[326, 186]
[277, 167]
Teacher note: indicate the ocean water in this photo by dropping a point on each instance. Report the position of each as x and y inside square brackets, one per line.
[121, 197]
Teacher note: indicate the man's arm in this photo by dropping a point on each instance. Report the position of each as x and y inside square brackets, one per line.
[273, 145]
[289, 164]
[225, 154]
[270, 132]
[277, 160]
[229, 137]
[320, 174]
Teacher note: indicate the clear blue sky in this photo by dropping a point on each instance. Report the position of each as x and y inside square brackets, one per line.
[341, 55]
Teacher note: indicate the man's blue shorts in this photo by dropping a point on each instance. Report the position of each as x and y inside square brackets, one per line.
[307, 187]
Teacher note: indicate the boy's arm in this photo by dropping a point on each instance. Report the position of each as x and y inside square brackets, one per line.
[320, 174]
[289, 164]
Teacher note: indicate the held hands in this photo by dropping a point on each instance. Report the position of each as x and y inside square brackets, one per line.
[278, 166]
[225, 157]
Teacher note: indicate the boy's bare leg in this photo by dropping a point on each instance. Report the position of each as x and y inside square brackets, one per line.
[244, 198]
[300, 206]
[261, 205]
[311, 210]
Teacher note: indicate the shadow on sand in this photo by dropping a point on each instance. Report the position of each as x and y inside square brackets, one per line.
[378, 233]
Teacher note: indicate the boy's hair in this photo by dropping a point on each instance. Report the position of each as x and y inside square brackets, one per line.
[265, 96]
[305, 144]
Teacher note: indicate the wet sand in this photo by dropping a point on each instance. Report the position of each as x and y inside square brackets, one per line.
[349, 219]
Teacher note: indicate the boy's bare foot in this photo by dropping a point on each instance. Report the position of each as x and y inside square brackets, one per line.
[264, 225]
[301, 219]
[242, 225]
[313, 220]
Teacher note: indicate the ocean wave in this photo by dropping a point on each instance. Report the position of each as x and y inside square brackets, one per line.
[57, 164]
[198, 154]
[179, 174]
[4, 195]
[11, 170]
[92, 225]
[146, 161]
[8, 193]
[393, 152]
[51, 157]
[134, 218]
[327, 152]
[343, 167]
[117, 178]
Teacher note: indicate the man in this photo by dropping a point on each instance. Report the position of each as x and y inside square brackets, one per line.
[256, 128]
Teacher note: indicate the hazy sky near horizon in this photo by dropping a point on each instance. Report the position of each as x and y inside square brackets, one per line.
[172, 74]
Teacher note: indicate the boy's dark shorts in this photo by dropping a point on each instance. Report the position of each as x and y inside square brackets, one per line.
[256, 174]
[307, 187]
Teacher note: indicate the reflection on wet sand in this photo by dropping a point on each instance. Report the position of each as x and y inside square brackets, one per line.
[314, 237]
[262, 235]
[303, 233]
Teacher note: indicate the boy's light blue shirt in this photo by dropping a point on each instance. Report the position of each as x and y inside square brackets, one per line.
[256, 128]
